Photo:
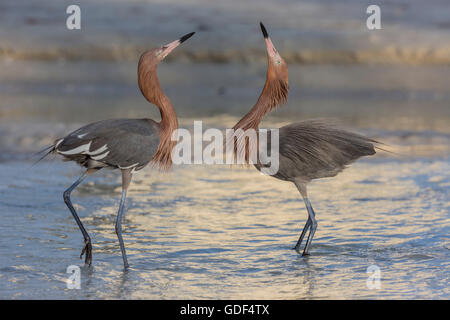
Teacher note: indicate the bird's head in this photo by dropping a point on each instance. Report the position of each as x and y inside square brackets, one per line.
[277, 86]
[155, 56]
[276, 63]
[161, 53]
[147, 79]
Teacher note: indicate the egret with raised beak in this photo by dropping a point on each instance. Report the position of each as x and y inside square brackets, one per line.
[309, 149]
[125, 144]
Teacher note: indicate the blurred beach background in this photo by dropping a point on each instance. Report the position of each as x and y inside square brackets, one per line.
[212, 231]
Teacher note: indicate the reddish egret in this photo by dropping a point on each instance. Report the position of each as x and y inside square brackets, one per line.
[308, 149]
[125, 144]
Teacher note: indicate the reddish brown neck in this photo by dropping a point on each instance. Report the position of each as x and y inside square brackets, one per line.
[150, 88]
[274, 93]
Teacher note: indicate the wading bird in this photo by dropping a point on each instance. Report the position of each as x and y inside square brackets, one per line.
[125, 144]
[309, 149]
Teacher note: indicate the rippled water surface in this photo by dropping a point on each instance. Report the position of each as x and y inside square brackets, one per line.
[216, 232]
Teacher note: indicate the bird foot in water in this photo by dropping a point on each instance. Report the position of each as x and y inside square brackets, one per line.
[87, 249]
[298, 251]
[296, 248]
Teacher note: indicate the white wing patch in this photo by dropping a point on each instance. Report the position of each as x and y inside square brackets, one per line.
[98, 151]
[58, 143]
[99, 157]
[133, 165]
[83, 149]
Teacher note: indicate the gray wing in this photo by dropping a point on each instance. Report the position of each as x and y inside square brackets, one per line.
[314, 149]
[120, 143]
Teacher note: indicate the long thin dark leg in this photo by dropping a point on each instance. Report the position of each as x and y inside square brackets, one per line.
[302, 235]
[311, 223]
[301, 186]
[119, 228]
[312, 216]
[126, 179]
[87, 240]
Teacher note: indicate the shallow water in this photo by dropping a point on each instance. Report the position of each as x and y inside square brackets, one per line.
[212, 231]
[216, 232]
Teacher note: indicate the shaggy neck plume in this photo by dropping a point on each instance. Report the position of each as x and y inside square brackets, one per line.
[275, 93]
[150, 88]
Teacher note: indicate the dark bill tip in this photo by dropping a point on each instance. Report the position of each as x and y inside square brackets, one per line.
[186, 36]
[264, 31]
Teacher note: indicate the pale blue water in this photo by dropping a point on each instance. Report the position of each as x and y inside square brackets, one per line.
[212, 232]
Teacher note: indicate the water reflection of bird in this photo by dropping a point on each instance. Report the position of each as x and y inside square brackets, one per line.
[125, 144]
[308, 149]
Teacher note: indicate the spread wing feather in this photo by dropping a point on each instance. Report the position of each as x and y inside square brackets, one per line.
[118, 143]
[314, 149]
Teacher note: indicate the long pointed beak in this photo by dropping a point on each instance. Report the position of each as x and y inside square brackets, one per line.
[166, 49]
[271, 50]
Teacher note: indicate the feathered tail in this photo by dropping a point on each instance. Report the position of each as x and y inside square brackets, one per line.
[44, 153]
